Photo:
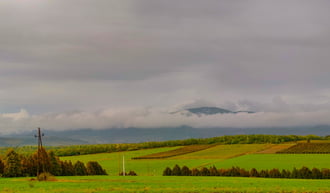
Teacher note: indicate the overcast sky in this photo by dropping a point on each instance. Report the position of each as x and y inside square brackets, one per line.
[115, 63]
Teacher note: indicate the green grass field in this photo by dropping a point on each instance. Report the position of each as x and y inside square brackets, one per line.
[150, 177]
[173, 184]
[222, 156]
[280, 161]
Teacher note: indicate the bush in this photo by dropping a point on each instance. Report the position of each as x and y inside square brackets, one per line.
[45, 176]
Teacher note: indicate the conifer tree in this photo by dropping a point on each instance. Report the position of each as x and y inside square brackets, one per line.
[12, 164]
[55, 163]
[185, 171]
[94, 168]
[176, 171]
[80, 169]
[2, 166]
[167, 172]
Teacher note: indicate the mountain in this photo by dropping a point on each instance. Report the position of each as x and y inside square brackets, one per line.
[212, 111]
[29, 139]
[208, 110]
[135, 135]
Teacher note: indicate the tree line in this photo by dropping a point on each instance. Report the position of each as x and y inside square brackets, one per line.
[227, 139]
[302, 173]
[18, 165]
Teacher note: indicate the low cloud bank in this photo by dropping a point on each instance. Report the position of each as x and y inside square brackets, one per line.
[155, 118]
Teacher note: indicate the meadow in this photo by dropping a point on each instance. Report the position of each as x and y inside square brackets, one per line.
[173, 184]
[222, 156]
[150, 179]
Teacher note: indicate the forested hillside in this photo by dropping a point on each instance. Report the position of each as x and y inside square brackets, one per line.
[229, 139]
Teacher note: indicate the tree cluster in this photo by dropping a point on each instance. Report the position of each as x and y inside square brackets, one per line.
[302, 173]
[16, 165]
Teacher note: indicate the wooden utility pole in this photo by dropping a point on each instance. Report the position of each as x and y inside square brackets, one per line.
[39, 162]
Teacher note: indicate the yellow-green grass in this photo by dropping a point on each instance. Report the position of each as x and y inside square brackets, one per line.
[280, 161]
[112, 162]
[173, 184]
[222, 156]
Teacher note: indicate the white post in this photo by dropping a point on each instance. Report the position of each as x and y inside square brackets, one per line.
[123, 165]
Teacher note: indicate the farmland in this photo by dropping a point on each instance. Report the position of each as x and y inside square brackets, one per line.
[222, 156]
[150, 179]
[308, 148]
[175, 152]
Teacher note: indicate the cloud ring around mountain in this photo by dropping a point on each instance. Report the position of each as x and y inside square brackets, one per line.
[156, 118]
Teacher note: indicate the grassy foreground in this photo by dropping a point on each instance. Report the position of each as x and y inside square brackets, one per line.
[100, 184]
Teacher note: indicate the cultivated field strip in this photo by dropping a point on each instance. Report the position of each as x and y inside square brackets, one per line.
[274, 148]
[220, 152]
[175, 152]
[321, 148]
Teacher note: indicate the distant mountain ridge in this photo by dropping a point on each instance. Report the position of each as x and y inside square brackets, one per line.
[136, 135]
[213, 110]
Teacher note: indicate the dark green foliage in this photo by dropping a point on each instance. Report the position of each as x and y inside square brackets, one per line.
[176, 171]
[2, 167]
[12, 166]
[254, 173]
[214, 171]
[264, 174]
[274, 173]
[15, 165]
[325, 173]
[43, 161]
[28, 166]
[285, 174]
[94, 168]
[295, 173]
[204, 172]
[185, 171]
[55, 163]
[303, 173]
[316, 173]
[80, 169]
[132, 173]
[195, 172]
[167, 172]
[67, 168]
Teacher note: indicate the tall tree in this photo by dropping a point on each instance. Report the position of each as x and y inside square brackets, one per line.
[12, 164]
[2, 166]
[55, 163]
[94, 168]
[80, 169]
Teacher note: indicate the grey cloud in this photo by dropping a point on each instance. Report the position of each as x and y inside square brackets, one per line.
[57, 56]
